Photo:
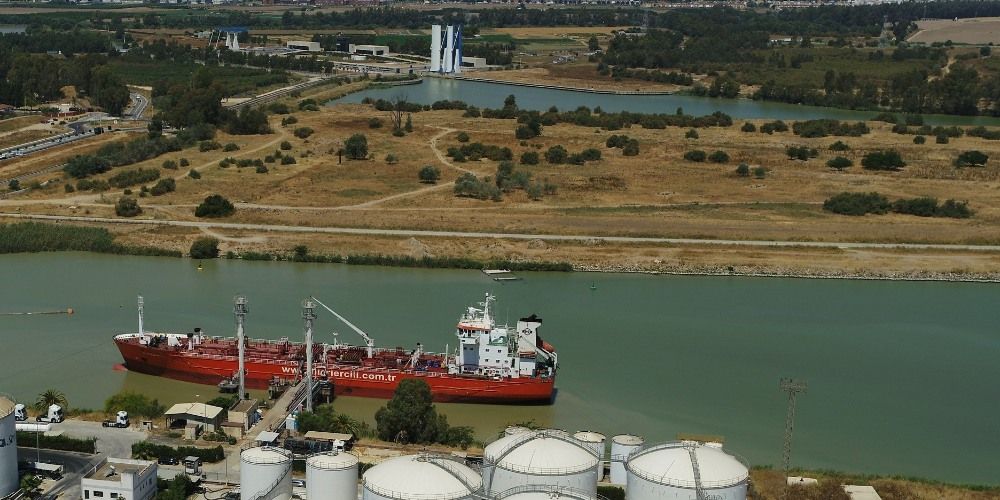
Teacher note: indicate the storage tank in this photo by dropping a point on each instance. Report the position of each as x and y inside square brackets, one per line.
[595, 441]
[539, 492]
[8, 451]
[421, 477]
[544, 457]
[621, 446]
[265, 474]
[332, 476]
[666, 472]
[515, 429]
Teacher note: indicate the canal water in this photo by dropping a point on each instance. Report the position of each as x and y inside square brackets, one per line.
[903, 376]
[492, 95]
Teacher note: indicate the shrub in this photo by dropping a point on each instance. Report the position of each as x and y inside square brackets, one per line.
[69, 188]
[825, 126]
[468, 185]
[462, 137]
[288, 160]
[695, 155]
[84, 166]
[801, 152]
[230, 146]
[303, 132]
[214, 206]
[356, 147]
[136, 404]
[204, 146]
[429, 174]
[748, 127]
[691, 134]
[971, 159]
[289, 120]
[775, 126]
[133, 177]
[391, 159]
[279, 108]
[941, 139]
[127, 207]
[285, 145]
[398, 132]
[883, 160]
[170, 165]
[631, 148]
[529, 158]
[759, 172]
[743, 170]
[556, 155]
[617, 141]
[857, 204]
[839, 146]
[524, 132]
[194, 174]
[590, 154]
[839, 163]
[718, 156]
[261, 169]
[163, 186]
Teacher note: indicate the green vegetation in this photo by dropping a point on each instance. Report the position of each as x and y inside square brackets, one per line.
[695, 155]
[125, 153]
[803, 153]
[178, 488]
[857, 204]
[230, 147]
[748, 127]
[410, 417]
[214, 206]
[611, 492]
[874, 203]
[462, 137]
[556, 155]
[325, 419]
[132, 177]
[883, 160]
[163, 186]
[971, 159]
[429, 174]
[303, 132]
[145, 450]
[356, 147]
[30, 486]
[839, 163]
[40, 237]
[718, 156]
[60, 442]
[127, 207]
[743, 170]
[51, 397]
[476, 151]
[470, 186]
[839, 146]
[204, 248]
[770, 128]
[825, 127]
[135, 404]
[530, 158]
[162, 73]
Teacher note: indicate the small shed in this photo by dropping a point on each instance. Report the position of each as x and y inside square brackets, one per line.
[267, 438]
[207, 416]
[337, 440]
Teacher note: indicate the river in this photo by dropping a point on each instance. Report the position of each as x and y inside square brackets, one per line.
[492, 95]
[902, 375]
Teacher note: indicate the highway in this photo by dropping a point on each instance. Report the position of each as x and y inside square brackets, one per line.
[138, 106]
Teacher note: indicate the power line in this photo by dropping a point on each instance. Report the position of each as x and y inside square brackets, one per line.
[793, 387]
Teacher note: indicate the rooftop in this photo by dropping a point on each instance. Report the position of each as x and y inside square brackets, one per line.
[112, 469]
[194, 410]
[329, 436]
[245, 405]
[861, 492]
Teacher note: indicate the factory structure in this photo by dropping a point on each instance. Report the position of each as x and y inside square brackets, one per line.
[446, 49]
[524, 464]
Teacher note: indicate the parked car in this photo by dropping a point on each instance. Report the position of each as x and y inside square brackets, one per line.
[167, 460]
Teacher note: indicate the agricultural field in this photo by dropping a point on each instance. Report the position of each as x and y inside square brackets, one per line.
[236, 80]
[975, 31]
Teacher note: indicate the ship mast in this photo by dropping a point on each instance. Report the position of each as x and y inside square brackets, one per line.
[309, 314]
[240, 309]
[368, 340]
[140, 316]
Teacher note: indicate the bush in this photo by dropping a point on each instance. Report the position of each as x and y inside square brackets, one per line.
[63, 443]
[288, 160]
[529, 158]
[391, 159]
[801, 152]
[556, 155]
[84, 166]
[146, 450]
[462, 137]
[230, 146]
[617, 141]
[775, 126]
[204, 248]
[748, 127]
[839, 146]
[136, 404]
[919, 139]
[759, 172]
[691, 134]
[971, 159]
[285, 145]
[695, 155]
[261, 169]
[941, 139]
[631, 148]
[132, 177]
[590, 154]
[69, 188]
[303, 132]
[857, 204]
[214, 206]
[289, 120]
[170, 165]
[374, 123]
[204, 146]
[718, 157]
[468, 185]
[743, 170]
[127, 207]
[429, 174]
[356, 147]
[398, 132]
[194, 174]
[523, 132]
[839, 163]
[883, 160]
[824, 127]
[279, 108]
[164, 186]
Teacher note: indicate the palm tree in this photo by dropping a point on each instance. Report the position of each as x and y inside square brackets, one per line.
[51, 397]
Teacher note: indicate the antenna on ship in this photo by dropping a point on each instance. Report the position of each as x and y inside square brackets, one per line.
[140, 316]
[240, 310]
[309, 315]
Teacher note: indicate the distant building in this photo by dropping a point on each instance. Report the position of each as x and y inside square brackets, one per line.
[120, 479]
[13, 29]
[194, 415]
[307, 46]
[369, 50]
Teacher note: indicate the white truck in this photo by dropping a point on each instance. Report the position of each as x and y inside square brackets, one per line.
[54, 415]
[20, 413]
[120, 421]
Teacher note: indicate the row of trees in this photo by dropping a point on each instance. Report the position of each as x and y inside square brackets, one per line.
[857, 204]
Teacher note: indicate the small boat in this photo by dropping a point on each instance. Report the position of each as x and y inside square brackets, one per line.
[593, 286]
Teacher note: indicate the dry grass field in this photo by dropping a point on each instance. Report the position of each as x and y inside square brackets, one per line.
[982, 30]
[657, 193]
[769, 484]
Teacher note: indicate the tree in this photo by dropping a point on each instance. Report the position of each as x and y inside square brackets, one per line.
[127, 207]
[356, 147]
[556, 155]
[883, 160]
[51, 397]
[462, 137]
[31, 485]
[718, 156]
[919, 139]
[529, 158]
[695, 155]
[204, 248]
[325, 419]
[972, 159]
[429, 174]
[397, 106]
[743, 170]
[839, 163]
[593, 45]
[759, 172]
[214, 206]
[410, 415]
[14, 185]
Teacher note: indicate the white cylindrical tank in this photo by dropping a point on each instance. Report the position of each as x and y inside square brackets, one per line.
[538, 492]
[332, 476]
[545, 457]
[9, 482]
[595, 441]
[421, 477]
[621, 446]
[515, 429]
[666, 472]
[265, 474]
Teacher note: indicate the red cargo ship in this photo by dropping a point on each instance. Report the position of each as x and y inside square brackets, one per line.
[492, 363]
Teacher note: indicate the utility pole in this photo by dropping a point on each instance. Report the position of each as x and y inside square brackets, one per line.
[309, 315]
[793, 387]
[240, 310]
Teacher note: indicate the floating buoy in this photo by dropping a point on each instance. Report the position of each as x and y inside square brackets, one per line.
[199, 266]
[69, 311]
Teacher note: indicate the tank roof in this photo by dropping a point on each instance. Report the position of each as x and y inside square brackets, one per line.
[628, 440]
[670, 464]
[544, 452]
[6, 406]
[419, 477]
[265, 455]
[332, 461]
[590, 437]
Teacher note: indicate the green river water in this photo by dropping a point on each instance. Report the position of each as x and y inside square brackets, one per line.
[903, 376]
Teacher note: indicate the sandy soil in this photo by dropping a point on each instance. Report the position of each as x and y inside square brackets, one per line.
[983, 30]
[769, 484]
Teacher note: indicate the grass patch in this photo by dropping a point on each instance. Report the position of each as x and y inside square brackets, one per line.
[39, 237]
[235, 79]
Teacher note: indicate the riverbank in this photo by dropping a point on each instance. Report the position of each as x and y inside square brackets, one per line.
[550, 86]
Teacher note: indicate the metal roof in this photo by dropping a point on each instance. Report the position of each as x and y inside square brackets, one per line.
[329, 436]
[628, 440]
[861, 492]
[589, 437]
[422, 477]
[201, 410]
[545, 452]
[332, 461]
[265, 455]
[670, 464]
[267, 437]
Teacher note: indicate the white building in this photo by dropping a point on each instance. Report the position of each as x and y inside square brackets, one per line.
[120, 479]
[303, 45]
[369, 50]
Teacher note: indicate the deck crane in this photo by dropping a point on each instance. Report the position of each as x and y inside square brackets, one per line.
[368, 340]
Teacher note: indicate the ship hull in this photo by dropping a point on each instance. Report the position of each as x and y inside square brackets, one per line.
[348, 380]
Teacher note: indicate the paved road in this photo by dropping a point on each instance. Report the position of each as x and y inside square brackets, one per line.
[510, 236]
[111, 441]
[139, 104]
[74, 466]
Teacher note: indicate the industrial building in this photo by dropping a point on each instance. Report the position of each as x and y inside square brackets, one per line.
[544, 457]
[9, 481]
[332, 476]
[685, 470]
[421, 476]
[194, 415]
[306, 46]
[265, 474]
[120, 478]
[368, 50]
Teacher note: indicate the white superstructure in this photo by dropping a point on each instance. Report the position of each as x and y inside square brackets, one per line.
[539, 492]
[622, 446]
[421, 477]
[678, 470]
[446, 49]
[435, 48]
[9, 481]
[486, 349]
[545, 457]
[120, 478]
[332, 476]
[265, 474]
